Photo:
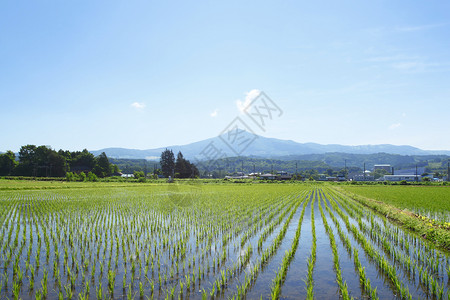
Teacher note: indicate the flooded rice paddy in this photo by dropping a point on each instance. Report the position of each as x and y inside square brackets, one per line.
[210, 242]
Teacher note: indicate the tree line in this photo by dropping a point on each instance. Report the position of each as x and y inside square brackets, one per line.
[42, 161]
[177, 168]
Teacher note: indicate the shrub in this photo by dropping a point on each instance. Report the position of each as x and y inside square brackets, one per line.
[82, 176]
[92, 177]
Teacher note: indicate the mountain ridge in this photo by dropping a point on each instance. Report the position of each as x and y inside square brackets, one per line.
[259, 146]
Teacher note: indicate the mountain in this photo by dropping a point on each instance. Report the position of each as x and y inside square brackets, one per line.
[243, 143]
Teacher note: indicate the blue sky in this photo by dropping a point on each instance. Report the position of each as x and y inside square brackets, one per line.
[146, 74]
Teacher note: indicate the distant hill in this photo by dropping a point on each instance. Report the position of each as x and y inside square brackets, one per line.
[263, 147]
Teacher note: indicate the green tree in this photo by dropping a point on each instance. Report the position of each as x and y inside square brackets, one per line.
[138, 174]
[102, 166]
[7, 163]
[82, 161]
[27, 161]
[181, 166]
[184, 168]
[114, 169]
[167, 163]
[379, 173]
[57, 164]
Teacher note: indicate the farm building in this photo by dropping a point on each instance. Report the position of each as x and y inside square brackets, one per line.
[420, 170]
[409, 177]
[268, 176]
[362, 177]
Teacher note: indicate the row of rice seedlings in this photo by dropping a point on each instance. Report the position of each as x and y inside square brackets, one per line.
[312, 257]
[258, 222]
[428, 281]
[426, 278]
[342, 285]
[222, 280]
[267, 254]
[271, 227]
[392, 233]
[381, 261]
[289, 255]
[353, 251]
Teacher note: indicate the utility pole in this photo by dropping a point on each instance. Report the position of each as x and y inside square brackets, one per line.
[448, 171]
[272, 169]
[296, 169]
[364, 172]
[253, 169]
[145, 168]
[242, 166]
[416, 174]
[345, 169]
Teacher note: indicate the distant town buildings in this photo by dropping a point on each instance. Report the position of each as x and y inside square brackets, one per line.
[410, 177]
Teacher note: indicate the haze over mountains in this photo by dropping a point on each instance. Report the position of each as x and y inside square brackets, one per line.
[248, 144]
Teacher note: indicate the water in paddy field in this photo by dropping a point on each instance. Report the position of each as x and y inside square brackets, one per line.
[189, 244]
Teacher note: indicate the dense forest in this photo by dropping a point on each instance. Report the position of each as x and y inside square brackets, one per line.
[42, 161]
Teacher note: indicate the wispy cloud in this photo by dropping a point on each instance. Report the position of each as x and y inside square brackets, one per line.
[395, 126]
[392, 58]
[419, 66]
[418, 27]
[407, 63]
[214, 113]
[249, 96]
[138, 105]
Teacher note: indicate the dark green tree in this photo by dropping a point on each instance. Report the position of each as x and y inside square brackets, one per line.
[379, 173]
[102, 166]
[7, 163]
[27, 161]
[181, 167]
[82, 161]
[57, 164]
[184, 168]
[167, 163]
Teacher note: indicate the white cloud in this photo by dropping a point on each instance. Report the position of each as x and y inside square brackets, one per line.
[138, 105]
[214, 113]
[249, 96]
[395, 126]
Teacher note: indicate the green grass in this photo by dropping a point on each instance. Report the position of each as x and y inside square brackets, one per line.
[431, 201]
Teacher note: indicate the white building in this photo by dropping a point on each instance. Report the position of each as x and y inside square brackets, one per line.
[410, 177]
